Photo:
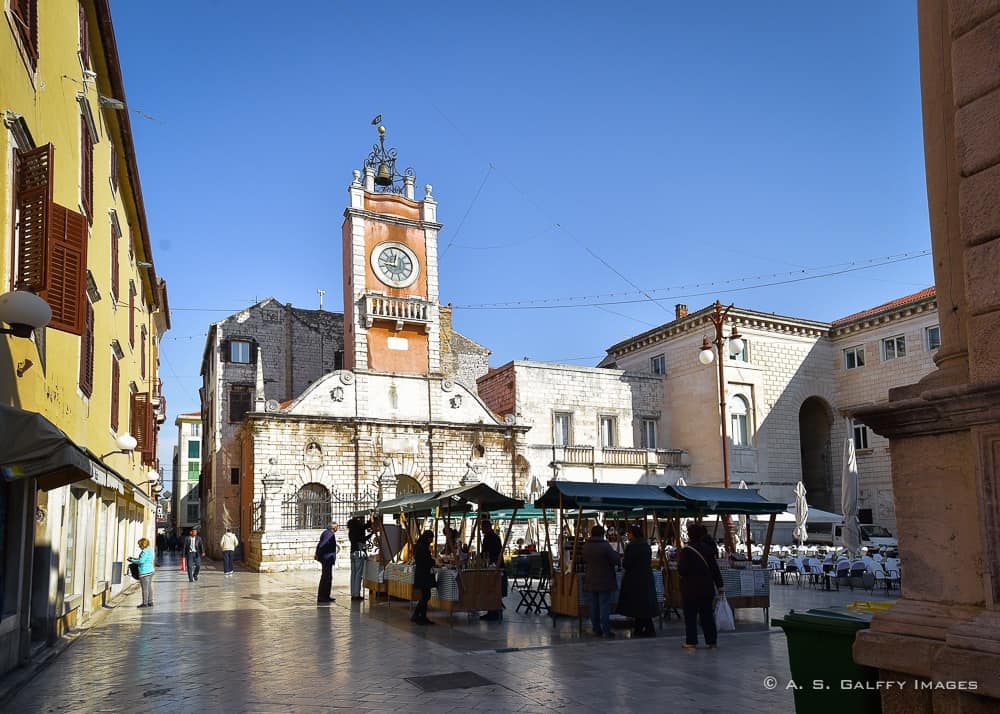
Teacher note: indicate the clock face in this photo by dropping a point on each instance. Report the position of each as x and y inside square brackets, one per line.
[395, 264]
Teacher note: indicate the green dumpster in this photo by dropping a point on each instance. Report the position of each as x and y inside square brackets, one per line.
[825, 676]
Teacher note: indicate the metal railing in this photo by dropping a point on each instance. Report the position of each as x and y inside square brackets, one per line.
[306, 511]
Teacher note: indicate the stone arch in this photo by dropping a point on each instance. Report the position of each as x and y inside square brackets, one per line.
[312, 506]
[816, 451]
[395, 467]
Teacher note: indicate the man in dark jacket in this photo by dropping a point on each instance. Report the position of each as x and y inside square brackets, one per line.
[600, 580]
[357, 532]
[194, 551]
[700, 576]
[492, 548]
[326, 554]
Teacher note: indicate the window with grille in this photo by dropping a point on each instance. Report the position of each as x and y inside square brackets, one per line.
[312, 508]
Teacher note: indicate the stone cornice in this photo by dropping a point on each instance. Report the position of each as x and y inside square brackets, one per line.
[935, 411]
[260, 418]
[389, 218]
[884, 317]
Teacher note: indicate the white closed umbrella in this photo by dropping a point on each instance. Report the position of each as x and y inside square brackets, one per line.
[741, 532]
[850, 533]
[801, 513]
[683, 521]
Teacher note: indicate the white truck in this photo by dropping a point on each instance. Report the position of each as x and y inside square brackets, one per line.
[873, 536]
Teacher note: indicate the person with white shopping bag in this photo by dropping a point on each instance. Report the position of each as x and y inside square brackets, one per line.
[700, 577]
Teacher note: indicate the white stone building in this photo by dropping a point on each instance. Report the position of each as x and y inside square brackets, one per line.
[586, 423]
[789, 395]
[185, 500]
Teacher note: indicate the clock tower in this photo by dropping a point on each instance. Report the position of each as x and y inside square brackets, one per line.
[391, 314]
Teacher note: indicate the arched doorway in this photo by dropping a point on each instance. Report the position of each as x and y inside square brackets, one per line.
[815, 420]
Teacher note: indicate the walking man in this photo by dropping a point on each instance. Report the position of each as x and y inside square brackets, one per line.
[600, 580]
[326, 554]
[194, 550]
[357, 532]
[228, 545]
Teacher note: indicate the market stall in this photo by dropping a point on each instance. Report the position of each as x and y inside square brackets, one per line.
[382, 575]
[746, 585]
[569, 500]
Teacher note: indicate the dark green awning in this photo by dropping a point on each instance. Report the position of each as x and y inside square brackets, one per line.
[705, 500]
[608, 497]
[479, 494]
[418, 503]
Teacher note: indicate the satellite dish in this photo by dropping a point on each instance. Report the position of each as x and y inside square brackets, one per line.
[271, 405]
[509, 419]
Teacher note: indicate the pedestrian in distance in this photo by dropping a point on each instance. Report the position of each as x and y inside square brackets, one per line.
[161, 545]
[493, 550]
[600, 580]
[358, 530]
[326, 555]
[423, 576]
[700, 577]
[228, 544]
[637, 598]
[145, 563]
[194, 551]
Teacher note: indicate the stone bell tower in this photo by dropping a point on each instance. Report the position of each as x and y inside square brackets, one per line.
[391, 320]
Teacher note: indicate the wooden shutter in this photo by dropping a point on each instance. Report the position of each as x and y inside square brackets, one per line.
[253, 351]
[131, 315]
[226, 352]
[142, 422]
[84, 38]
[115, 238]
[34, 202]
[66, 269]
[115, 379]
[87, 351]
[142, 352]
[25, 14]
[114, 163]
[86, 169]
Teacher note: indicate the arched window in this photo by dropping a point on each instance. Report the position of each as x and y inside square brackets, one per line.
[312, 507]
[739, 430]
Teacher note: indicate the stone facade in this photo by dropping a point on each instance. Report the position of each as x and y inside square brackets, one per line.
[463, 359]
[532, 394]
[798, 393]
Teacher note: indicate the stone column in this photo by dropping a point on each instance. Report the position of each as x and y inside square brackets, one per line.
[944, 432]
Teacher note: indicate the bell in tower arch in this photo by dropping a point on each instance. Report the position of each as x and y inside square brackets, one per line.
[383, 177]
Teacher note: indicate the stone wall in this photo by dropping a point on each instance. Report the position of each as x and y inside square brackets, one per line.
[461, 359]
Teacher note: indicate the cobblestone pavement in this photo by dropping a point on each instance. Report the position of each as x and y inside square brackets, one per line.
[259, 643]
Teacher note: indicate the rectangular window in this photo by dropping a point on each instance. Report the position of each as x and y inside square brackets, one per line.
[87, 351]
[114, 164]
[192, 512]
[234, 476]
[115, 389]
[194, 471]
[854, 357]
[893, 347]
[658, 364]
[609, 431]
[933, 338]
[115, 237]
[743, 355]
[860, 432]
[142, 351]
[240, 397]
[649, 433]
[196, 429]
[239, 352]
[194, 449]
[25, 16]
[338, 360]
[562, 423]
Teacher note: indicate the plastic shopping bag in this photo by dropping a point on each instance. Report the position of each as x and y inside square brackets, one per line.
[724, 615]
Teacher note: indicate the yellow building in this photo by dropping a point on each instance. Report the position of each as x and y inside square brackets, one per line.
[80, 404]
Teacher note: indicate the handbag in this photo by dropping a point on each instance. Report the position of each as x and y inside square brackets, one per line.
[724, 615]
[133, 570]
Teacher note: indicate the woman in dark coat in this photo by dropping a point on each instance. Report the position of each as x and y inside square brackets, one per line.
[700, 577]
[423, 578]
[638, 594]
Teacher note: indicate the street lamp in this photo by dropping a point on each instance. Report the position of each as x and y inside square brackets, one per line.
[23, 311]
[126, 443]
[734, 345]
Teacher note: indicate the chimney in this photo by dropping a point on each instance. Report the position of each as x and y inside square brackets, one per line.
[680, 310]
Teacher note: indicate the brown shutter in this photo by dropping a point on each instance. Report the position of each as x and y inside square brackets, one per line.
[87, 169]
[142, 352]
[226, 353]
[142, 422]
[66, 269]
[34, 201]
[87, 351]
[115, 238]
[84, 38]
[25, 14]
[131, 316]
[115, 379]
[114, 163]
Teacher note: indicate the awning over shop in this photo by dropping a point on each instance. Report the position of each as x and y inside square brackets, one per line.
[479, 494]
[608, 497]
[704, 500]
[34, 447]
[416, 503]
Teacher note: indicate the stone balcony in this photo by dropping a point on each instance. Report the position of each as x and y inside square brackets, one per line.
[617, 456]
[401, 311]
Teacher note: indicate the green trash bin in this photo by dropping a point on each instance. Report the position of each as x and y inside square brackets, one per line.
[819, 654]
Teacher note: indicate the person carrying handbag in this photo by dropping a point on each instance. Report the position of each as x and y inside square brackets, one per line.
[700, 577]
[145, 563]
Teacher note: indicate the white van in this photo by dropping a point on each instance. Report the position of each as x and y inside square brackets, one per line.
[873, 536]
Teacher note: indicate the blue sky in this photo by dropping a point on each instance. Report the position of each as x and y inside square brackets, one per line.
[576, 149]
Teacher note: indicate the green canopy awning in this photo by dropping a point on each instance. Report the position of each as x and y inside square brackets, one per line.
[608, 497]
[739, 501]
[479, 494]
[416, 503]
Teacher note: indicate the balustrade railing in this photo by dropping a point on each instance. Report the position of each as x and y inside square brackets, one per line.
[400, 310]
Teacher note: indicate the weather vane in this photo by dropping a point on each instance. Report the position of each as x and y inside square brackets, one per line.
[383, 162]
